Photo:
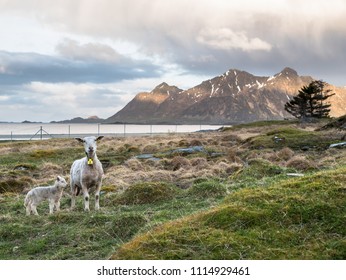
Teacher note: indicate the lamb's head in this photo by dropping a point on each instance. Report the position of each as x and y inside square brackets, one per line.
[60, 182]
[90, 146]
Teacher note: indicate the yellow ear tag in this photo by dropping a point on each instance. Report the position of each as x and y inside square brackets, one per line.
[90, 161]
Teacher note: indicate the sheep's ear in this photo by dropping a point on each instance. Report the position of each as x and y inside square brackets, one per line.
[80, 139]
[58, 179]
[99, 138]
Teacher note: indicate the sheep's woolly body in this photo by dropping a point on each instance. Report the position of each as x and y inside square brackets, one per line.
[87, 173]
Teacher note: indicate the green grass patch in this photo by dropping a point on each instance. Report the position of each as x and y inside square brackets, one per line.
[207, 188]
[294, 219]
[294, 138]
[260, 124]
[81, 235]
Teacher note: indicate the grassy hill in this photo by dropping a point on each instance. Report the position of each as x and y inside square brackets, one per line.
[292, 219]
[233, 199]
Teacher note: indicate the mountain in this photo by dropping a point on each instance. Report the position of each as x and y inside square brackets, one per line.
[234, 97]
[146, 106]
[91, 119]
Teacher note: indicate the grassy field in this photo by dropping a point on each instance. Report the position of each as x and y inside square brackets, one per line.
[234, 199]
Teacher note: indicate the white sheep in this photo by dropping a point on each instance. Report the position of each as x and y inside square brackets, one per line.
[51, 193]
[87, 173]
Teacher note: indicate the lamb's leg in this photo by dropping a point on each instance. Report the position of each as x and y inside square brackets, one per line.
[97, 196]
[51, 206]
[28, 209]
[57, 205]
[34, 210]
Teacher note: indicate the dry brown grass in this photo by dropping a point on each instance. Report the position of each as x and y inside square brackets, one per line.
[285, 153]
[179, 162]
[301, 163]
[183, 170]
[180, 170]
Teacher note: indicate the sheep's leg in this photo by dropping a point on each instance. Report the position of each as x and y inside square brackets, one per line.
[73, 201]
[97, 196]
[73, 196]
[86, 198]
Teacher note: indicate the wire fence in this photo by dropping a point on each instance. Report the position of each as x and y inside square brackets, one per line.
[14, 132]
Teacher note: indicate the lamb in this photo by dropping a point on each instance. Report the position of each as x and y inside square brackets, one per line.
[51, 193]
[87, 173]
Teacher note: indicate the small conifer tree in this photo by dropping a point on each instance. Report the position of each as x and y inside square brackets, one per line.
[310, 102]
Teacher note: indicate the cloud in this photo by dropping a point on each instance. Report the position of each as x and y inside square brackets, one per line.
[21, 68]
[199, 35]
[226, 39]
[95, 50]
[89, 52]
[39, 101]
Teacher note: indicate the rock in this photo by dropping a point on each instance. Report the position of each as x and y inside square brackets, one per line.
[278, 139]
[295, 174]
[147, 156]
[338, 145]
[190, 150]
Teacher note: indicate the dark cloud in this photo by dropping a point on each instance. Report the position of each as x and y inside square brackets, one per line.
[199, 36]
[22, 68]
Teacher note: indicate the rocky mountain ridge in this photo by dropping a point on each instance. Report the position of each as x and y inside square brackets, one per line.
[233, 97]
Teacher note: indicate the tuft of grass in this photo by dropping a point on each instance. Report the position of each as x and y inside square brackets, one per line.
[301, 163]
[148, 192]
[259, 168]
[295, 219]
[208, 188]
[15, 184]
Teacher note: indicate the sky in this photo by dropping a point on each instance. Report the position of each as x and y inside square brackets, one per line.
[78, 58]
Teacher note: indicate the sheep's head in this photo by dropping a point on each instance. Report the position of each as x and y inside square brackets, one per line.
[90, 146]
